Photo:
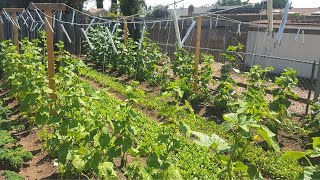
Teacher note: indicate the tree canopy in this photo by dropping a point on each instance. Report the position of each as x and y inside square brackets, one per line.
[277, 4]
[159, 12]
[77, 4]
[130, 7]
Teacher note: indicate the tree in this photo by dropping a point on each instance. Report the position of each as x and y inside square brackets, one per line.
[159, 12]
[130, 7]
[99, 3]
[277, 4]
[77, 4]
[114, 6]
[230, 2]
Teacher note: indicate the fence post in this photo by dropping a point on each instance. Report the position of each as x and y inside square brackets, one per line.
[317, 90]
[14, 12]
[311, 86]
[48, 8]
[198, 44]
[125, 29]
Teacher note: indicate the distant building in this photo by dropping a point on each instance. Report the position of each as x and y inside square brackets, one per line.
[97, 12]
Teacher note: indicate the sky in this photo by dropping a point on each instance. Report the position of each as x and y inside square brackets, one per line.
[196, 3]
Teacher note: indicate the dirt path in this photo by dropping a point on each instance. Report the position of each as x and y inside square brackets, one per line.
[41, 166]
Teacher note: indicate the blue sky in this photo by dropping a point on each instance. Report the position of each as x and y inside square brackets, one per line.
[186, 3]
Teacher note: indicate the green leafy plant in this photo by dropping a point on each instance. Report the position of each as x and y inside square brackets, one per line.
[311, 171]
[285, 83]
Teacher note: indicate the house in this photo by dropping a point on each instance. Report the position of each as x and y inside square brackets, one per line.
[195, 11]
[98, 12]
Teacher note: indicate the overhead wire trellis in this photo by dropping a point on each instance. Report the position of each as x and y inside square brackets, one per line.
[68, 26]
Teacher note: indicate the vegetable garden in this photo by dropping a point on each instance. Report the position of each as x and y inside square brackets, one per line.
[135, 113]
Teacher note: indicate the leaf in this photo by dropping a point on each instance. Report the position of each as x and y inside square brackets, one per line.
[78, 163]
[295, 155]
[239, 166]
[232, 117]
[172, 173]
[106, 170]
[267, 135]
[218, 143]
[254, 173]
[154, 161]
[185, 129]
[316, 147]
[310, 173]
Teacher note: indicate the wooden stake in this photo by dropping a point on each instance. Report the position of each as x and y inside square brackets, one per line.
[198, 44]
[14, 12]
[125, 32]
[48, 8]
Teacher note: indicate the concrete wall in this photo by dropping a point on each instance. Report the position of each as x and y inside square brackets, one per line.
[308, 52]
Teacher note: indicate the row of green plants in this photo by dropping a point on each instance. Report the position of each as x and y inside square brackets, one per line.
[267, 161]
[250, 111]
[236, 123]
[12, 155]
[93, 135]
[150, 65]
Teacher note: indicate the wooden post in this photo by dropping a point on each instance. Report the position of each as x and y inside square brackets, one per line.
[198, 54]
[317, 90]
[48, 8]
[14, 12]
[125, 32]
[311, 86]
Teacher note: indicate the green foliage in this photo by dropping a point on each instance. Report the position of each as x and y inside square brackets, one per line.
[130, 7]
[311, 171]
[147, 64]
[285, 84]
[183, 70]
[277, 4]
[14, 157]
[258, 76]
[159, 12]
[11, 175]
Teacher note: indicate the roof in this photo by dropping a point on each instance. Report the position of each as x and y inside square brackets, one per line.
[304, 11]
[295, 25]
[197, 10]
[99, 11]
[219, 10]
[235, 10]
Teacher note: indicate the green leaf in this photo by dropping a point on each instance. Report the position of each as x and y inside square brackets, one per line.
[254, 173]
[316, 147]
[185, 129]
[267, 135]
[106, 170]
[310, 173]
[295, 155]
[215, 141]
[172, 173]
[239, 166]
[78, 163]
[232, 117]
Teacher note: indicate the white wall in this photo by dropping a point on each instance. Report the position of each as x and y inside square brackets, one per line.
[290, 48]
